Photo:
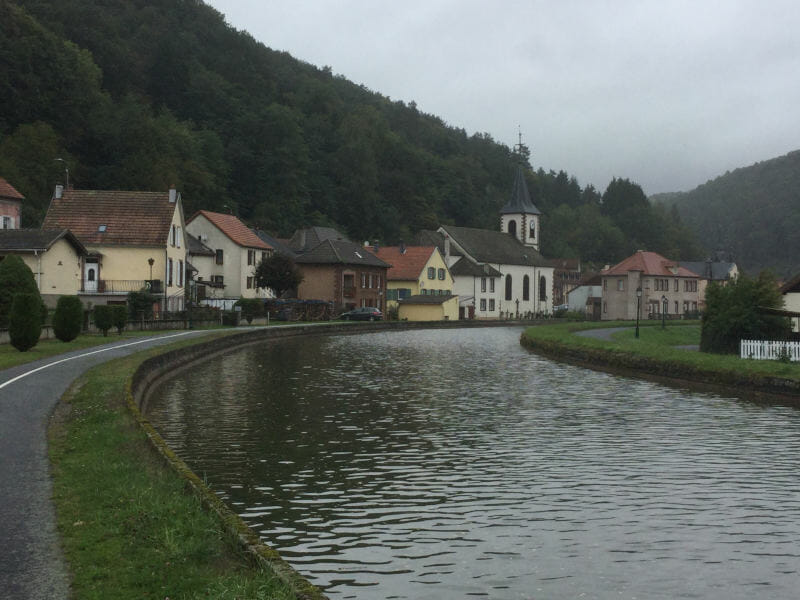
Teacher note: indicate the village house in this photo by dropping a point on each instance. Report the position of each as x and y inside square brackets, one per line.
[566, 275]
[54, 256]
[418, 272]
[10, 206]
[586, 297]
[134, 241]
[230, 274]
[339, 271]
[711, 270]
[666, 288]
[791, 300]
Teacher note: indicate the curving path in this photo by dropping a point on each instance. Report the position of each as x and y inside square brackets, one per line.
[31, 563]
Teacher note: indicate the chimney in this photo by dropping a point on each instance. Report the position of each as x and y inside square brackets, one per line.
[402, 247]
[447, 249]
[59, 191]
[173, 194]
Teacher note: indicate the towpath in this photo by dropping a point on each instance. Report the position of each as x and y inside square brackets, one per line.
[31, 563]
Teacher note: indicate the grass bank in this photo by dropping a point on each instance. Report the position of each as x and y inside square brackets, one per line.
[129, 527]
[658, 353]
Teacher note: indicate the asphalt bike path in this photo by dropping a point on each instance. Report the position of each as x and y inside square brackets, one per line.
[32, 566]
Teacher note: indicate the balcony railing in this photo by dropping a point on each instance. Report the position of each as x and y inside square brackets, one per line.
[122, 286]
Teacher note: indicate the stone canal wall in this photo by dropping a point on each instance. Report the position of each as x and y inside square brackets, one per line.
[739, 384]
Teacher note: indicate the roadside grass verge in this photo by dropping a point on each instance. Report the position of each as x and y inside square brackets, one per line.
[128, 526]
[661, 345]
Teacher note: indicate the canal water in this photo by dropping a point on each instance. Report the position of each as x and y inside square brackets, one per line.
[448, 464]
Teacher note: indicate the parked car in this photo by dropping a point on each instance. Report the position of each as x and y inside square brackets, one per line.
[365, 313]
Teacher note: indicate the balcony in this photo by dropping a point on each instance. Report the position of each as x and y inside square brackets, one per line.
[122, 286]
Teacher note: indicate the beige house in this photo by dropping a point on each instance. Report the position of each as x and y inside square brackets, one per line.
[415, 271]
[791, 300]
[667, 289]
[237, 252]
[134, 240]
[54, 256]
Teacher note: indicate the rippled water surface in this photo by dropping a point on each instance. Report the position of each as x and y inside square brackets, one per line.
[453, 464]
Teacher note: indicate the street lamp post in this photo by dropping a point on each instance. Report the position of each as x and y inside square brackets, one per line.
[150, 262]
[638, 308]
[664, 306]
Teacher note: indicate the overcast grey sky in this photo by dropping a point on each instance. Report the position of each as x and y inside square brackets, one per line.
[668, 94]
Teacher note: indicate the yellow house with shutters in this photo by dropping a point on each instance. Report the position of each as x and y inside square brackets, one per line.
[135, 241]
[417, 271]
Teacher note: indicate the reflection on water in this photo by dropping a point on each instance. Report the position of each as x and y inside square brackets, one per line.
[451, 464]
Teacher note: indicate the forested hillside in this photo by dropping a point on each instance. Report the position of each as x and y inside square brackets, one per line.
[141, 95]
[753, 212]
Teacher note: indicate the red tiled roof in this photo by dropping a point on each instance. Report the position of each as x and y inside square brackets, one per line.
[233, 228]
[7, 191]
[408, 266]
[130, 218]
[649, 263]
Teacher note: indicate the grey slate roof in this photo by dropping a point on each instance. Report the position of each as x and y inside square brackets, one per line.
[426, 237]
[340, 252]
[423, 299]
[470, 269]
[720, 271]
[486, 246]
[276, 244]
[520, 201]
[197, 248]
[304, 240]
[28, 240]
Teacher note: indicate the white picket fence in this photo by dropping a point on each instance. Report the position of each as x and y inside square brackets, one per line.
[762, 350]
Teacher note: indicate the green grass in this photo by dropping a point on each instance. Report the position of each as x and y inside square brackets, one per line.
[661, 344]
[129, 528]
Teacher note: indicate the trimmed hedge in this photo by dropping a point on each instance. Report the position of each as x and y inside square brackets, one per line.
[25, 321]
[103, 317]
[68, 318]
[119, 316]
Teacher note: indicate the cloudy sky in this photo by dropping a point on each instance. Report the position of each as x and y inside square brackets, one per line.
[668, 94]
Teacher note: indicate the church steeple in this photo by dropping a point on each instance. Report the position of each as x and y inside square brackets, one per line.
[520, 217]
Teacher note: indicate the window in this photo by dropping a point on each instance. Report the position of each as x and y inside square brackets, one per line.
[605, 307]
[369, 281]
[685, 306]
[249, 283]
[508, 287]
[392, 294]
[180, 273]
[251, 257]
[690, 285]
[533, 230]
[694, 306]
[263, 256]
[441, 274]
[491, 304]
[405, 293]
[605, 284]
[172, 235]
[169, 272]
[8, 223]
[491, 285]
[676, 286]
[378, 278]
[363, 280]
[483, 284]
[676, 307]
[620, 285]
[483, 304]
[219, 258]
[542, 288]
[431, 273]
[512, 227]
[179, 236]
[526, 288]
[218, 279]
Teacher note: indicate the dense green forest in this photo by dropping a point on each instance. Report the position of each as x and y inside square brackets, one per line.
[141, 95]
[752, 212]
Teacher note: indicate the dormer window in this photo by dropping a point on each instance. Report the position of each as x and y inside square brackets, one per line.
[101, 229]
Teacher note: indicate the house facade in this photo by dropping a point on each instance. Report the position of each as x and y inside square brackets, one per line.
[587, 297]
[428, 308]
[237, 252]
[667, 289]
[344, 273]
[711, 271]
[415, 271]
[10, 206]
[56, 258]
[135, 240]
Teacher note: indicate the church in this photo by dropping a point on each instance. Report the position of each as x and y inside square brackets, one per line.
[499, 274]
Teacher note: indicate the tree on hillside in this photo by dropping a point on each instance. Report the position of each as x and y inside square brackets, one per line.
[733, 313]
[279, 273]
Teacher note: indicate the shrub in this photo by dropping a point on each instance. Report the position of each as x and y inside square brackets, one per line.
[25, 321]
[735, 312]
[141, 304]
[119, 316]
[251, 308]
[68, 318]
[103, 317]
[15, 278]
